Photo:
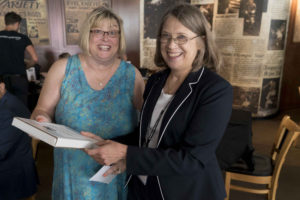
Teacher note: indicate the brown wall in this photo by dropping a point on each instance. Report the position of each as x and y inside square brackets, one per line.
[290, 97]
[129, 12]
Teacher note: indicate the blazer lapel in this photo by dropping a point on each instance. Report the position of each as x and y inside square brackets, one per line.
[183, 92]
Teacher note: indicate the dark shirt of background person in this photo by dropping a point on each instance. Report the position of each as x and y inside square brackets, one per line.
[13, 45]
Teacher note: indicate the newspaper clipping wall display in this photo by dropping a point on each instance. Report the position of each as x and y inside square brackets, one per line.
[251, 35]
[34, 15]
[75, 13]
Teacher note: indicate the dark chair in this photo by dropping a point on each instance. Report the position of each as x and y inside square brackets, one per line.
[267, 168]
[236, 143]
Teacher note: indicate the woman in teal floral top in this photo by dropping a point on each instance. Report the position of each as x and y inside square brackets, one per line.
[92, 91]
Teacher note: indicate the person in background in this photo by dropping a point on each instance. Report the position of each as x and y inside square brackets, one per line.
[186, 110]
[13, 46]
[64, 55]
[18, 177]
[94, 91]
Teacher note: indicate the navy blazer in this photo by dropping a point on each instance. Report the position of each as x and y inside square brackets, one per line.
[184, 162]
[18, 177]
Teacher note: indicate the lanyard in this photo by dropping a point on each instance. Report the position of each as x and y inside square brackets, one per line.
[151, 131]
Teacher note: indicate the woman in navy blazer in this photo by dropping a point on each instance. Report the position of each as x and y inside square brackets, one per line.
[186, 109]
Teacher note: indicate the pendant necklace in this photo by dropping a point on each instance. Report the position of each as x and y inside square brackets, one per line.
[100, 82]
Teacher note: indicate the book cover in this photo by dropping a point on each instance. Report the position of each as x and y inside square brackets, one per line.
[55, 135]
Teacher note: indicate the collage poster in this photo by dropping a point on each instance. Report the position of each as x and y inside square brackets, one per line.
[251, 36]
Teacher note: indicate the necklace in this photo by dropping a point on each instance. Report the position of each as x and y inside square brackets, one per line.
[151, 130]
[100, 76]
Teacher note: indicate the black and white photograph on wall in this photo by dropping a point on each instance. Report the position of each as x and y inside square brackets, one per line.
[228, 6]
[251, 11]
[153, 11]
[277, 35]
[72, 25]
[265, 5]
[23, 26]
[33, 32]
[246, 98]
[208, 11]
[269, 93]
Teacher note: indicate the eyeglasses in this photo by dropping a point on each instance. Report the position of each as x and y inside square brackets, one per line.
[99, 34]
[180, 39]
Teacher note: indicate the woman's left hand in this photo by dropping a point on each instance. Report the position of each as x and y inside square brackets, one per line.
[107, 152]
[91, 135]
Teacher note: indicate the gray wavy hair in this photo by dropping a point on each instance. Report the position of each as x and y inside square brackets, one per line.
[192, 18]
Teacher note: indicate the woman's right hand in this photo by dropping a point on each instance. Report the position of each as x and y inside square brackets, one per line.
[42, 118]
[39, 118]
[107, 152]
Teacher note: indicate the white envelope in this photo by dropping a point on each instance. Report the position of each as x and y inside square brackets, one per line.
[98, 177]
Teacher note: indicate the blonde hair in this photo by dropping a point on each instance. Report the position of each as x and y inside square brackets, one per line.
[193, 19]
[92, 20]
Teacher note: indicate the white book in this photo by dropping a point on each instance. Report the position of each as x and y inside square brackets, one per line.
[54, 134]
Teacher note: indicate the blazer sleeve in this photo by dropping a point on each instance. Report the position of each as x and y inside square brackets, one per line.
[128, 139]
[199, 143]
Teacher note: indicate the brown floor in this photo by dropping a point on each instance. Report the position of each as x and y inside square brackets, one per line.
[263, 133]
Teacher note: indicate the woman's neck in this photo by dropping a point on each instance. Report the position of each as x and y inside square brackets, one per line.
[179, 75]
[100, 65]
[174, 81]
